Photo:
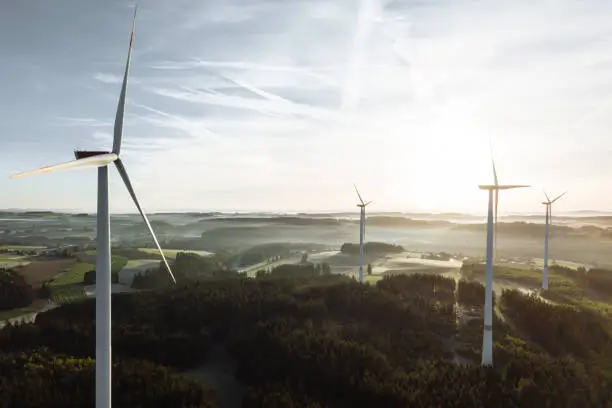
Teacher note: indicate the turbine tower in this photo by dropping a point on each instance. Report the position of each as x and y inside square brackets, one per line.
[101, 160]
[487, 338]
[548, 203]
[362, 206]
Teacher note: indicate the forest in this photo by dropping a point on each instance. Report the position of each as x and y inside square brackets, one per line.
[289, 338]
[14, 291]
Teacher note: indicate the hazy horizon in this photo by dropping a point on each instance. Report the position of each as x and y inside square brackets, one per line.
[268, 105]
[567, 213]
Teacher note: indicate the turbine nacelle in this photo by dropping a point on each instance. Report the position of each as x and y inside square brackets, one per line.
[83, 154]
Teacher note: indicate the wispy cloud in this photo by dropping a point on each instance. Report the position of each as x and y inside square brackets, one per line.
[398, 95]
[108, 78]
[368, 12]
[81, 122]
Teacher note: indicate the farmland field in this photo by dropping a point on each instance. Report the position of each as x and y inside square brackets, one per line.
[77, 272]
[74, 274]
[37, 272]
[171, 253]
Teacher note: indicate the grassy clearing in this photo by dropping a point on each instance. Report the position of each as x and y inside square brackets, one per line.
[570, 293]
[373, 278]
[563, 289]
[523, 276]
[118, 263]
[539, 262]
[171, 253]
[68, 294]
[140, 265]
[531, 278]
[134, 267]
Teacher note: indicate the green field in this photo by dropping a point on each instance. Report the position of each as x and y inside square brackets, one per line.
[76, 273]
[68, 288]
[171, 253]
[139, 263]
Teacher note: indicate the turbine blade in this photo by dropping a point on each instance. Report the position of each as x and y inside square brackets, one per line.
[502, 187]
[128, 185]
[93, 161]
[493, 163]
[558, 197]
[547, 197]
[511, 186]
[359, 195]
[368, 203]
[118, 130]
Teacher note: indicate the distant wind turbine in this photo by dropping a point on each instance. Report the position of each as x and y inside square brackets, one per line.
[487, 338]
[548, 203]
[101, 160]
[362, 206]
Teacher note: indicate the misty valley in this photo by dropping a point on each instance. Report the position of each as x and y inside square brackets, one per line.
[268, 312]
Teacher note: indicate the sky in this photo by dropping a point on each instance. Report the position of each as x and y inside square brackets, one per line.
[270, 105]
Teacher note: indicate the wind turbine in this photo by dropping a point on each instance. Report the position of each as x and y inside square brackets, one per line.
[362, 206]
[101, 160]
[548, 203]
[487, 337]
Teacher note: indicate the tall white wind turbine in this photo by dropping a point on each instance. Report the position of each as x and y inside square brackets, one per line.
[362, 206]
[548, 203]
[487, 337]
[101, 160]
